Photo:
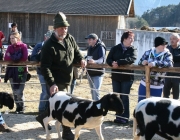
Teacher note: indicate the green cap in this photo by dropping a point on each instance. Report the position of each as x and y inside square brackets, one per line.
[60, 20]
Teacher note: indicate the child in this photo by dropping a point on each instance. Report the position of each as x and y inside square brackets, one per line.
[159, 56]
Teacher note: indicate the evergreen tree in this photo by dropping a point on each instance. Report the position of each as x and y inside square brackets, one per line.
[163, 16]
[136, 22]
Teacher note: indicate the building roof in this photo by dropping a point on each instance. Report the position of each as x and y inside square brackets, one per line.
[70, 7]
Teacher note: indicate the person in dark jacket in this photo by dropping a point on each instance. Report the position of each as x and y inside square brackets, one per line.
[35, 56]
[96, 54]
[122, 54]
[14, 29]
[57, 56]
[173, 83]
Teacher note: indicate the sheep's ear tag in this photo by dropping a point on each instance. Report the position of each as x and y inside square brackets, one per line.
[98, 106]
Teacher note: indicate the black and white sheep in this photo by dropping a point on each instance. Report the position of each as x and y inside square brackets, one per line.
[157, 116]
[6, 99]
[80, 113]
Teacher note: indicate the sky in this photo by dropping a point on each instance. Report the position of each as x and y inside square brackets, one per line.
[143, 5]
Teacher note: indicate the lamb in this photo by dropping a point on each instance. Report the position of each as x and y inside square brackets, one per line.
[6, 99]
[157, 116]
[80, 113]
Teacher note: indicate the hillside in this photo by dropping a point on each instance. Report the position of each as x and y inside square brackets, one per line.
[142, 6]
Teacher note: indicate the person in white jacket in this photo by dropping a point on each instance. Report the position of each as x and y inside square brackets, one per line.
[159, 56]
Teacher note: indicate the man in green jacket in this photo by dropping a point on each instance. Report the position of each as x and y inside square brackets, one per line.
[57, 56]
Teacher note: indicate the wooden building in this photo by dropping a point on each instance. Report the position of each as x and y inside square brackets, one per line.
[34, 17]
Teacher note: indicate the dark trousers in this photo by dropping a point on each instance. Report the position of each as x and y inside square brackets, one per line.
[174, 84]
[45, 94]
[18, 92]
[123, 87]
[1, 53]
[63, 87]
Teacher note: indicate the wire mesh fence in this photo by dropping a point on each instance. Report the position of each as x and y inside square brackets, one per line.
[33, 89]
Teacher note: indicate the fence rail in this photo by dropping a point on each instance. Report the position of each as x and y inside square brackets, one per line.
[124, 67]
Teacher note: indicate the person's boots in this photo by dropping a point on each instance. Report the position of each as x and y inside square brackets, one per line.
[19, 110]
[67, 133]
[40, 118]
[5, 128]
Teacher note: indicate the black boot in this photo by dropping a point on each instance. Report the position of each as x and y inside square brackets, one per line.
[40, 118]
[19, 110]
[67, 133]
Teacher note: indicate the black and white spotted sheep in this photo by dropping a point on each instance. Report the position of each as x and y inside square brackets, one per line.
[157, 116]
[80, 113]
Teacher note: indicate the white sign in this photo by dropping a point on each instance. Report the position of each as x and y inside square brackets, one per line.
[9, 25]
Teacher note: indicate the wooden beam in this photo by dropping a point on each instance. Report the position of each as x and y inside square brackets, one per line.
[171, 69]
[125, 67]
[147, 73]
[19, 63]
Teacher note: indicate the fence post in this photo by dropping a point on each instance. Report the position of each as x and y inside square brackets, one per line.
[147, 73]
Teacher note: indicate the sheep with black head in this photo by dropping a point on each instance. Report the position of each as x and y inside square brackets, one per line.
[6, 99]
[79, 113]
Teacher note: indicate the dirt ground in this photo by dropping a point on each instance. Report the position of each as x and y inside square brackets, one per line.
[26, 128]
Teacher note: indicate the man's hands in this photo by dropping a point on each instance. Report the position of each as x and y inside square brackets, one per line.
[83, 63]
[114, 64]
[53, 89]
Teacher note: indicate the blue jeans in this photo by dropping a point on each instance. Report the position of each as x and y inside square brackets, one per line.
[97, 81]
[73, 84]
[123, 87]
[1, 119]
[45, 94]
[153, 92]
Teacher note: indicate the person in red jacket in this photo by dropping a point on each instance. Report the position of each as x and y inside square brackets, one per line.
[17, 75]
[2, 38]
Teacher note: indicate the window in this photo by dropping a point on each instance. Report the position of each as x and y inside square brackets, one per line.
[108, 35]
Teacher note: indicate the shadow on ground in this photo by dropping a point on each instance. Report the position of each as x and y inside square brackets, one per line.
[27, 128]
